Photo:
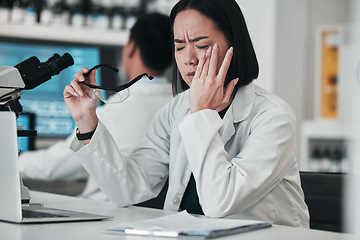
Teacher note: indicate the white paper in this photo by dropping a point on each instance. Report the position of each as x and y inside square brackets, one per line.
[183, 223]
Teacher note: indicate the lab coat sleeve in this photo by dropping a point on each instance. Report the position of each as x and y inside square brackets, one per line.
[125, 180]
[57, 162]
[227, 186]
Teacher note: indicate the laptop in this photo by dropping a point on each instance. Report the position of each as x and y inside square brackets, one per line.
[11, 208]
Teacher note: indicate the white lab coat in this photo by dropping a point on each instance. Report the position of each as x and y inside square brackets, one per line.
[126, 121]
[244, 164]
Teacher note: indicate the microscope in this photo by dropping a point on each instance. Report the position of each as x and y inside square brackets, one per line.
[26, 75]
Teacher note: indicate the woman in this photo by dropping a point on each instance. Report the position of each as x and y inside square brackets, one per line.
[226, 145]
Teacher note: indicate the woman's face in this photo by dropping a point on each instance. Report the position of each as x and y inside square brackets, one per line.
[193, 34]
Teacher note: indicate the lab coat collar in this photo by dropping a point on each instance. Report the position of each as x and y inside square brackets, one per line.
[157, 79]
[239, 110]
[241, 105]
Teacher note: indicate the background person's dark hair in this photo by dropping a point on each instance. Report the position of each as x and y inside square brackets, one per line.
[230, 21]
[152, 34]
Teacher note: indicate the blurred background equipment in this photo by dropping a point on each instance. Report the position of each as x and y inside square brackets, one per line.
[96, 14]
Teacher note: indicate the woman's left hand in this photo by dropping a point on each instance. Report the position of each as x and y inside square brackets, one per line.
[207, 87]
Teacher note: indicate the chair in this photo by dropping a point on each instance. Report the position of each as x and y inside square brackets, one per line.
[324, 197]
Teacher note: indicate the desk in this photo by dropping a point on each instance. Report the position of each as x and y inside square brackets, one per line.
[92, 230]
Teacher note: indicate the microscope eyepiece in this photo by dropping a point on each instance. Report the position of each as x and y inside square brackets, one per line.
[57, 63]
[34, 72]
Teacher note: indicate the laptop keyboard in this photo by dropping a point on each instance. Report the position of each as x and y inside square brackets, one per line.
[38, 214]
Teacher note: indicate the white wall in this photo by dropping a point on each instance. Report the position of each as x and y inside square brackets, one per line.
[277, 29]
[260, 18]
[290, 53]
[350, 71]
[350, 89]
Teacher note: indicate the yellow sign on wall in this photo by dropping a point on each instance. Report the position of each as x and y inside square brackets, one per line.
[329, 74]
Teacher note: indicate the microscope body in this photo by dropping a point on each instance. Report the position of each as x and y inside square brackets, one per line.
[27, 75]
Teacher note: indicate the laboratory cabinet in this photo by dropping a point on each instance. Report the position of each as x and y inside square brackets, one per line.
[324, 147]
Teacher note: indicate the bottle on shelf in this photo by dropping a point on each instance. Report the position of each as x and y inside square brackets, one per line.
[5, 8]
[117, 15]
[336, 159]
[315, 158]
[17, 12]
[45, 12]
[325, 164]
[61, 13]
[117, 18]
[161, 6]
[100, 15]
[345, 162]
[78, 13]
[30, 15]
[77, 18]
[132, 9]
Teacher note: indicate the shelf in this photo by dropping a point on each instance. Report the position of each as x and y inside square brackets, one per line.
[65, 34]
[323, 129]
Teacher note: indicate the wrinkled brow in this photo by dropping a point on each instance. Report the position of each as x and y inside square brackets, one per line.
[191, 40]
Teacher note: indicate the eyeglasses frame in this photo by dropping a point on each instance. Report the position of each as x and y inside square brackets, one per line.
[116, 89]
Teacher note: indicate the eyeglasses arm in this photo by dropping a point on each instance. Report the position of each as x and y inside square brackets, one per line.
[99, 66]
[121, 87]
[131, 82]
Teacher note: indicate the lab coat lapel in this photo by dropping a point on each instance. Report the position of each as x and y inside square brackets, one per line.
[238, 111]
[181, 154]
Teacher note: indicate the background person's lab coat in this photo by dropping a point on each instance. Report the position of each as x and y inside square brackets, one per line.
[126, 121]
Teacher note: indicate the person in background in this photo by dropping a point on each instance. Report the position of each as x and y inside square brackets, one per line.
[149, 50]
[227, 146]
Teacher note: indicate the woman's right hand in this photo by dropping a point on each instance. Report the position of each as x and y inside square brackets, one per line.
[80, 102]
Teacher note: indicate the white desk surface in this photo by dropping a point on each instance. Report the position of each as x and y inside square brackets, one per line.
[92, 230]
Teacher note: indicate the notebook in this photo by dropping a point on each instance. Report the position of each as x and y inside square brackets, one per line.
[11, 209]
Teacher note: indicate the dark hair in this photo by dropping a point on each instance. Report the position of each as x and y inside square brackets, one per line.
[230, 21]
[152, 34]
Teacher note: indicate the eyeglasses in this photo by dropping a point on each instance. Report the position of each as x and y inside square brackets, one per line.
[112, 95]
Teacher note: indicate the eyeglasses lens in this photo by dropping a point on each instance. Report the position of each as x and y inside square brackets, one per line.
[110, 97]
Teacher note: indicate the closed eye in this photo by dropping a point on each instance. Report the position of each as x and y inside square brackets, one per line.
[179, 48]
[202, 47]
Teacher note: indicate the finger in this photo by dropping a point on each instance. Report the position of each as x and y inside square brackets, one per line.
[213, 60]
[75, 85]
[84, 70]
[226, 63]
[200, 66]
[79, 77]
[69, 91]
[91, 78]
[205, 70]
[229, 90]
